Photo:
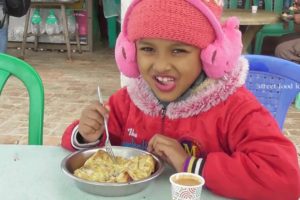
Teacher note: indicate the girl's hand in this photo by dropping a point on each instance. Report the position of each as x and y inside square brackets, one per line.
[169, 150]
[91, 124]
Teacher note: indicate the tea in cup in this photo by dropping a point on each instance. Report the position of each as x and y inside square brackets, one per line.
[186, 186]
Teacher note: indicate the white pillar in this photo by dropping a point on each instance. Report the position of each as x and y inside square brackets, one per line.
[124, 5]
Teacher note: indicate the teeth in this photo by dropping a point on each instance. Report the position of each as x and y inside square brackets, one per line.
[164, 79]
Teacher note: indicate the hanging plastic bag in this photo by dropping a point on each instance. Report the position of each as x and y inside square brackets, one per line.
[81, 19]
[110, 8]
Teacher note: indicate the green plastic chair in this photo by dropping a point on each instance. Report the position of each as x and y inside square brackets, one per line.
[11, 66]
[274, 30]
[233, 4]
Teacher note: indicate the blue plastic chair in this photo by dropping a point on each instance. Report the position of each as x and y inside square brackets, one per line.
[275, 82]
[11, 66]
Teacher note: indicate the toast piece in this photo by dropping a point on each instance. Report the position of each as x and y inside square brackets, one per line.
[141, 167]
[101, 168]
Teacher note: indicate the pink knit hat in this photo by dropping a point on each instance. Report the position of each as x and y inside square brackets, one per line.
[174, 20]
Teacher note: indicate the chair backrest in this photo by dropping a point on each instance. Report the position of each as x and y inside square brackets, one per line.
[278, 6]
[275, 6]
[233, 4]
[11, 66]
[275, 82]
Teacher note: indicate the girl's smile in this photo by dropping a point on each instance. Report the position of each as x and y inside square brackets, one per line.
[165, 83]
[169, 67]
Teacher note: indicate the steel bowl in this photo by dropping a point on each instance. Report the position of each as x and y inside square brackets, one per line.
[75, 160]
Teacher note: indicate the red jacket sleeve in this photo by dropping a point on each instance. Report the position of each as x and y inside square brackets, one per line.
[257, 157]
[66, 138]
[119, 105]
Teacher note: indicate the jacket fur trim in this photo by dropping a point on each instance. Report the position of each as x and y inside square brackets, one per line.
[207, 95]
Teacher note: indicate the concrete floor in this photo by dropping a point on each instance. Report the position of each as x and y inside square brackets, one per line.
[69, 86]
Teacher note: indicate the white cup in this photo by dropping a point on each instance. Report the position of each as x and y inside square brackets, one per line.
[254, 9]
[186, 186]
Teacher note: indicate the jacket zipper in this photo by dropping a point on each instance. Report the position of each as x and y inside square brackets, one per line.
[163, 116]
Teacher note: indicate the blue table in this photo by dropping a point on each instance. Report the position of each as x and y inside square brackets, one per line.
[33, 173]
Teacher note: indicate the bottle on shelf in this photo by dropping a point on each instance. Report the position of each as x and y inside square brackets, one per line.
[36, 20]
[52, 26]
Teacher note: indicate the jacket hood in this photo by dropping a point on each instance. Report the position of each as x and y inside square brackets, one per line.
[207, 95]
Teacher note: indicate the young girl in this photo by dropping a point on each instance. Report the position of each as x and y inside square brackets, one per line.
[187, 103]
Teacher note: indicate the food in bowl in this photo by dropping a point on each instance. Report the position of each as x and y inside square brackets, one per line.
[77, 159]
[100, 167]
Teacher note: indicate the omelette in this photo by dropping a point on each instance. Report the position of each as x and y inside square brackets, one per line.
[101, 168]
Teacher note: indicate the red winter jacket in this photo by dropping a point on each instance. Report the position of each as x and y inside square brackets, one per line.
[243, 153]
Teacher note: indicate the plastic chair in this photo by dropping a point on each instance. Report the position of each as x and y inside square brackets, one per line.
[11, 66]
[275, 82]
[233, 4]
[277, 29]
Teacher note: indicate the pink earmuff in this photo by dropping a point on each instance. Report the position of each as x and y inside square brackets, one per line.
[125, 54]
[222, 55]
[217, 58]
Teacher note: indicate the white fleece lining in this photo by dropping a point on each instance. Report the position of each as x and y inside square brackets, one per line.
[75, 143]
[209, 94]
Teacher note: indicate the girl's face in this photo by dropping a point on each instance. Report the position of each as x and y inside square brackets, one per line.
[169, 67]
